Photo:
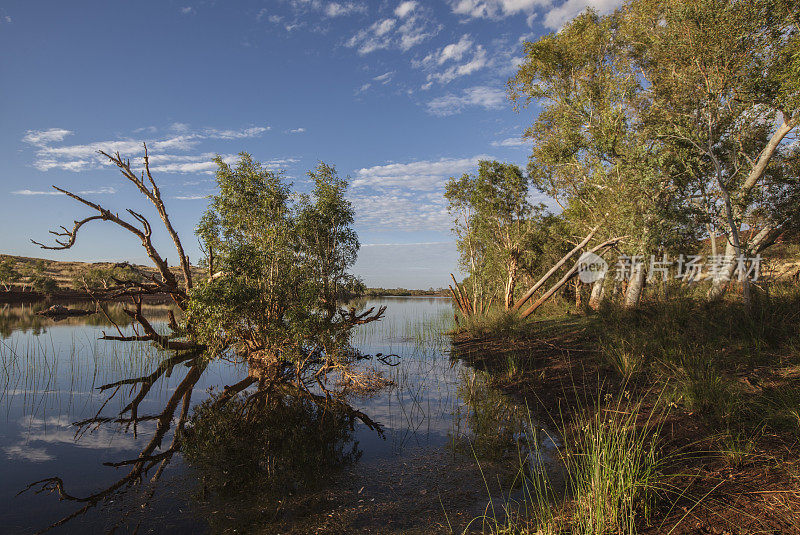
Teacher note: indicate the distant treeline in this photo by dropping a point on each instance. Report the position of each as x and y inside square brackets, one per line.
[403, 292]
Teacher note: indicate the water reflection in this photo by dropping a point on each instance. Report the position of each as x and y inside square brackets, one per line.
[27, 318]
[69, 398]
[252, 452]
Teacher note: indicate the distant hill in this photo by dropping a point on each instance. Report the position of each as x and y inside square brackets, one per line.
[67, 275]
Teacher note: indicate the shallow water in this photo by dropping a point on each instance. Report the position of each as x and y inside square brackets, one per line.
[49, 377]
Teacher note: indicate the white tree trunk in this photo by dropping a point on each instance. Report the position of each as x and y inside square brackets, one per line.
[598, 293]
[635, 285]
[720, 282]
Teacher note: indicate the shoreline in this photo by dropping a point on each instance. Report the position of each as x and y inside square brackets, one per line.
[730, 481]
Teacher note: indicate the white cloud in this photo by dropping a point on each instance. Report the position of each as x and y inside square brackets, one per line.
[191, 197]
[32, 192]
[85, 156]
[555, 17]
[188, 10]
[296, 130]
[494, 9]
[384, 78]
[453, 51]
[425, 175]
[407, 196]
[99, 191]
[510, 142]
[253, 131]
[412, 27]
[478, 61]
[7, 19]
[336, 9]
[478, 96]
[383, 27]
[146, 129]
[43, 137]
[404, 9]
[398, 209]
[558, 16]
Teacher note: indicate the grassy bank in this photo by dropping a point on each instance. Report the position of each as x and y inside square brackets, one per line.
[681, 416]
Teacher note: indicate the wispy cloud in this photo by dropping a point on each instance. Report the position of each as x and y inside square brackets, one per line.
[296, 130]
[495, 9]
[100, 191]
[338, 9]
[405, 9]
[556, 15]
[52, 155]
[188, 10]
[478, 96]
[559, 15]
[510, 142]
[410, 26]
[191, 197]
[384, 78]
[407, 196]
[44, 137]
[422, 175]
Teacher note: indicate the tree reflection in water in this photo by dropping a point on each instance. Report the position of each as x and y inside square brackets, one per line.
[252, 434]
[253, 452]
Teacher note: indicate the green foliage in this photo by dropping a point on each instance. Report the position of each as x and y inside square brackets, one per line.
[500, 233]
[615, 471]
[497, 322]
[8, 273]
[44, 284]
[591, 147]
[101, 278]
[281, 263]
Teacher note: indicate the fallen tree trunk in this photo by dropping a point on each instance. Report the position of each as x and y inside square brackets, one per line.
[569, 274]
[555, 268]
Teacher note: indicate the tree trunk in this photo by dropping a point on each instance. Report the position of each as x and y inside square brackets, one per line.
[635, 286]
[598, 293]
[720, 282]
[713, 237]
[599, 249]
[734, 211]
[555, 268]
[511, 284]
[578, 285]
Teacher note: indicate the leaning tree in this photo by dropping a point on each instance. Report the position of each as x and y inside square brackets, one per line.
[277, 264]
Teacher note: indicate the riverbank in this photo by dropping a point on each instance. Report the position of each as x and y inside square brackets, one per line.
[713, 389]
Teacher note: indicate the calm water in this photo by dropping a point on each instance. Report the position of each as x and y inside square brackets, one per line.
[49, 377]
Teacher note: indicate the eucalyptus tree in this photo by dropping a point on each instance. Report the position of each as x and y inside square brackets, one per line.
[591, 151]
[495, 225]
[722, 81]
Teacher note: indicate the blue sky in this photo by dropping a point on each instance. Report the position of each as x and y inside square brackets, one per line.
[397, 95]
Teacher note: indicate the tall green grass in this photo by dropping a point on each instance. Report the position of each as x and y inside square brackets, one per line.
[604, 477]
[615, 471]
